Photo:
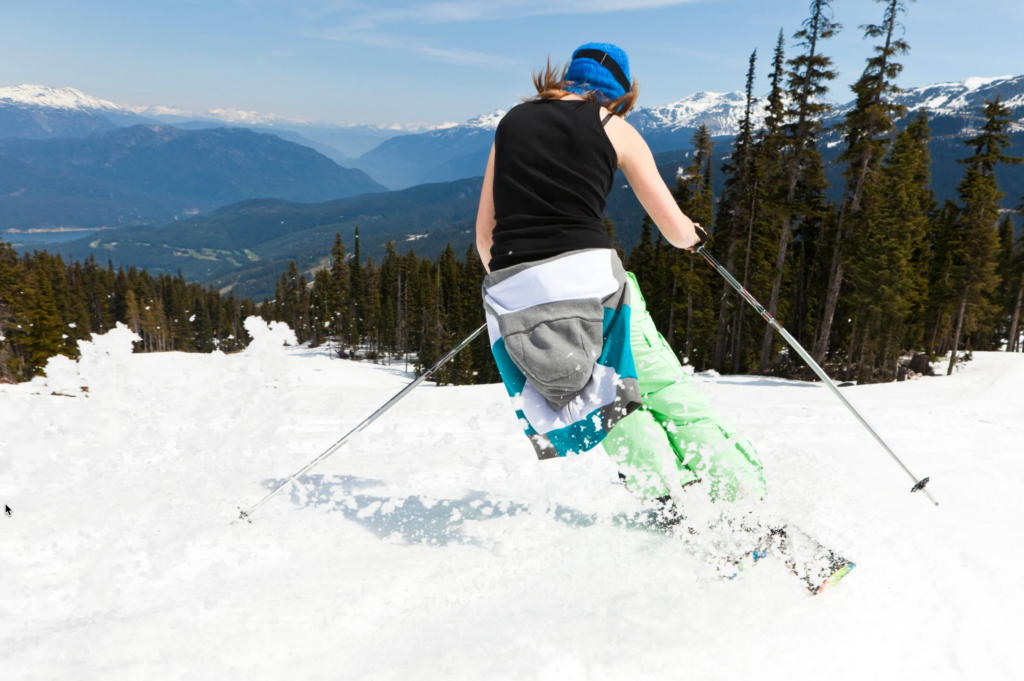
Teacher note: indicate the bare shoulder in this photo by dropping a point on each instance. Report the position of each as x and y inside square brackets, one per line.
[623, 136]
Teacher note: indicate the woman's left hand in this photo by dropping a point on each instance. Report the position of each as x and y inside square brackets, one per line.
[702, 238]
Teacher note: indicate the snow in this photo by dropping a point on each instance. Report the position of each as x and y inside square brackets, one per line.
[721, 112]
[976, 82]
[435, 545]
[158, 110]
[487, 121]
[42, 96]
[55, 98]
[969, 93]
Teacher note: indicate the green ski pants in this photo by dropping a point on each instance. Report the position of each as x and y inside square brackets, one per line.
[676, 438]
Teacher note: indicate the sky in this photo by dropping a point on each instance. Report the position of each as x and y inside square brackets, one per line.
[434, 61]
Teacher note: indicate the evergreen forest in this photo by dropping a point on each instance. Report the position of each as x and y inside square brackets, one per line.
[47, 306]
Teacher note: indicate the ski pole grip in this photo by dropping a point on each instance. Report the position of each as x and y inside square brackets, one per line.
[702, 237]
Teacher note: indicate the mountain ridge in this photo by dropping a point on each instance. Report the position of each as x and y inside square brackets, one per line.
[154, 174]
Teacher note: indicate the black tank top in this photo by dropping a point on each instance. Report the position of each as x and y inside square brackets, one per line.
[553, 170]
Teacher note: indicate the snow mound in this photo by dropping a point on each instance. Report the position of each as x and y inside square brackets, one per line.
[266, 348]
[105, 358]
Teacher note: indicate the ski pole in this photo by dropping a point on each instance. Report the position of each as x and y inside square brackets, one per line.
[246, 515]
[919, 485]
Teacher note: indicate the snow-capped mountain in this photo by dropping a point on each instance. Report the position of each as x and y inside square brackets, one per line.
[487, 121]
[440, 155]
[402, 155]
[172, 114]
[721, 112]
[965, 97]
[340, 141]
[54, 98]
[40, 112]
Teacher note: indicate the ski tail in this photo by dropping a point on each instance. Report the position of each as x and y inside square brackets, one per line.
[818, 567]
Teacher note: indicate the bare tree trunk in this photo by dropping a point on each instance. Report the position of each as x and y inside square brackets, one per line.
[849, 351]
[831, 301]
[1014, 341]
[883, 371]
[799, 307]
[5, 374]
[935, 333]
[773, 301]
[836, 280]
[944, 341]
[723, 308]
[956, 335]
[737, 340]
[794, 177]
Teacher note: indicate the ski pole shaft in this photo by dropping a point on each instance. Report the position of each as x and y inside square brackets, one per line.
[245, 515]
[919, 484]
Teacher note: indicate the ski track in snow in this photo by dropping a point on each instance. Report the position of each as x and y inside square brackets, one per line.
[437, 546]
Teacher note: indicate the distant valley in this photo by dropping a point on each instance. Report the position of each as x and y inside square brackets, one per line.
[245, 246]
[230, 206]
[148, 174]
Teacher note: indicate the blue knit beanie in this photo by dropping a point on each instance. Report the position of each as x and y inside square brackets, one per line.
[587, 73]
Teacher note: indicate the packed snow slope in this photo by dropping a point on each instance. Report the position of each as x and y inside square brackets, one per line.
[437, 547]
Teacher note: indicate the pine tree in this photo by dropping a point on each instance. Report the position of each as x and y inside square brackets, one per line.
[390, 276]
[322, 307]
[303, 308]
[865, 132]
[641, 259]
[133, 314]
[1016, 277]
[736, 212]
[803, 184]
[370, 319]
[889, 281]
[356, 294]
[766, 161]
[341, 317]
[609, 226]
[943, 235]
[13, 298]
[976, 253]
[485, 370]
[432, 333]
[691, 286]
[43, 337]
[1007, 289]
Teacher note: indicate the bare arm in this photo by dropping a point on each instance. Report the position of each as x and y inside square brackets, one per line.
[485, 215]
[637, 164]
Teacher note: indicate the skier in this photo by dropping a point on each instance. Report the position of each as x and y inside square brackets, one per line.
[577, 350]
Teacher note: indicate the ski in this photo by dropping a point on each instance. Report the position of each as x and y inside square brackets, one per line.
[817, 566]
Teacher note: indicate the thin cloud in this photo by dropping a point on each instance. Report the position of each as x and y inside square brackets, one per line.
[384, 23]
[477, 10]
[363, 14]
[419, 48]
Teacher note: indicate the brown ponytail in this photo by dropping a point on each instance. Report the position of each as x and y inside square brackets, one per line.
[551, 84]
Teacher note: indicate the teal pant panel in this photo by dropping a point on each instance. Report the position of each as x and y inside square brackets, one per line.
[676, 438]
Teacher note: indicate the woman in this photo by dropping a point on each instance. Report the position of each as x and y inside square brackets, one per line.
[577, 350]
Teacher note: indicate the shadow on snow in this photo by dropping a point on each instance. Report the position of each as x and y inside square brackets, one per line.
[423, 520]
